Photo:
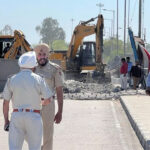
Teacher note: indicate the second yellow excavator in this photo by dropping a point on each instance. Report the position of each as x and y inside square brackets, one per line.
[83, 57]
[16, 45]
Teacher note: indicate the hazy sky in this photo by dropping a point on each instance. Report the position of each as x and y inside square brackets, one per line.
[25, 15]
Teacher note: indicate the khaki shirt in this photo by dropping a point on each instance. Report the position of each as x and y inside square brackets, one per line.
[26, 90]
[53, 75]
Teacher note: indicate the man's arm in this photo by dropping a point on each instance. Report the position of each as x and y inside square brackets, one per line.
[7, 95]
[6, 111]
[46, 93]
[58, 116]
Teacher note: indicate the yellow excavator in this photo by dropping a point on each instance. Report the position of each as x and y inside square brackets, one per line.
[83, 57]
[88, 50]
[11, 47]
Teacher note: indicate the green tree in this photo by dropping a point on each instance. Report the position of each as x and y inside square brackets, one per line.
[110, 49]
[59, 45]
[50, 31]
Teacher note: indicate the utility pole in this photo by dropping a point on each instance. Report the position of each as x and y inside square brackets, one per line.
[128, 13]
[111, 24]
[140, 15]
[144, 34]
[100, 5]
[72, 20]
[128, 23]
[117, 28]
[113, 11]
[124, 28]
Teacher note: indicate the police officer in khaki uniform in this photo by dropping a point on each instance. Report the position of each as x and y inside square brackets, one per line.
[25, 89]
[53, 76]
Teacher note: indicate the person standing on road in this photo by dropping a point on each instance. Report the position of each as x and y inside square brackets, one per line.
[123, 74]
[25, 89]
[129, 69]
[53, 76]
[136, 74]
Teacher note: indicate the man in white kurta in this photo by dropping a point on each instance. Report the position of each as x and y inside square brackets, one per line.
[25, 89]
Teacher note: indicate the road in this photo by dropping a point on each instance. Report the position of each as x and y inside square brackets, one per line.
[89, 125]
[95, 125]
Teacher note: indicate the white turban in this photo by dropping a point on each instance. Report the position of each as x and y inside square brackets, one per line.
[28, 60]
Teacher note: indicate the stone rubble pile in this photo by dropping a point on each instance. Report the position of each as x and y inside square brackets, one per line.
[72, 86]
[93, 91]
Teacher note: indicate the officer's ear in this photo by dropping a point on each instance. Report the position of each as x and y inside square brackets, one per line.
[33, 69]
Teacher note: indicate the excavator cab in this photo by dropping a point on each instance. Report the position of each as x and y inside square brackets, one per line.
[87, 53]
[5, 44]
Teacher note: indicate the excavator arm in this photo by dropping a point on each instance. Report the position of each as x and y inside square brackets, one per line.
[99, 38]
[19, 44]
[83, 30]
[80, 32]
[99, 43]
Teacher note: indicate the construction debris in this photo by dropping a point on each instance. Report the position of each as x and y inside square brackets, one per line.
[93, 91]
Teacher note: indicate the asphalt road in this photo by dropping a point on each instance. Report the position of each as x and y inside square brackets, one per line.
[95, 125]
[89, 125]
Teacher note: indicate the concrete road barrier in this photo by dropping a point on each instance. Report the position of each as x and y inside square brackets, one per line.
[137, 109]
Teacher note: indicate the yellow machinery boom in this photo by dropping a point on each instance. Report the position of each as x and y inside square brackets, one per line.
[11, 47]
[81, 31]
[19, 45]
[82, 57]
[85, 29]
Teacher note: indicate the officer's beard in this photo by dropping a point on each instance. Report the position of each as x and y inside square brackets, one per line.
[42, 61]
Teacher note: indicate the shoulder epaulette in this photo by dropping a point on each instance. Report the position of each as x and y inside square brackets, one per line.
[55, 65]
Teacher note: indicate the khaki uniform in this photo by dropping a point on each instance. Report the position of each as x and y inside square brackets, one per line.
[53, 76]
[26, 89]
